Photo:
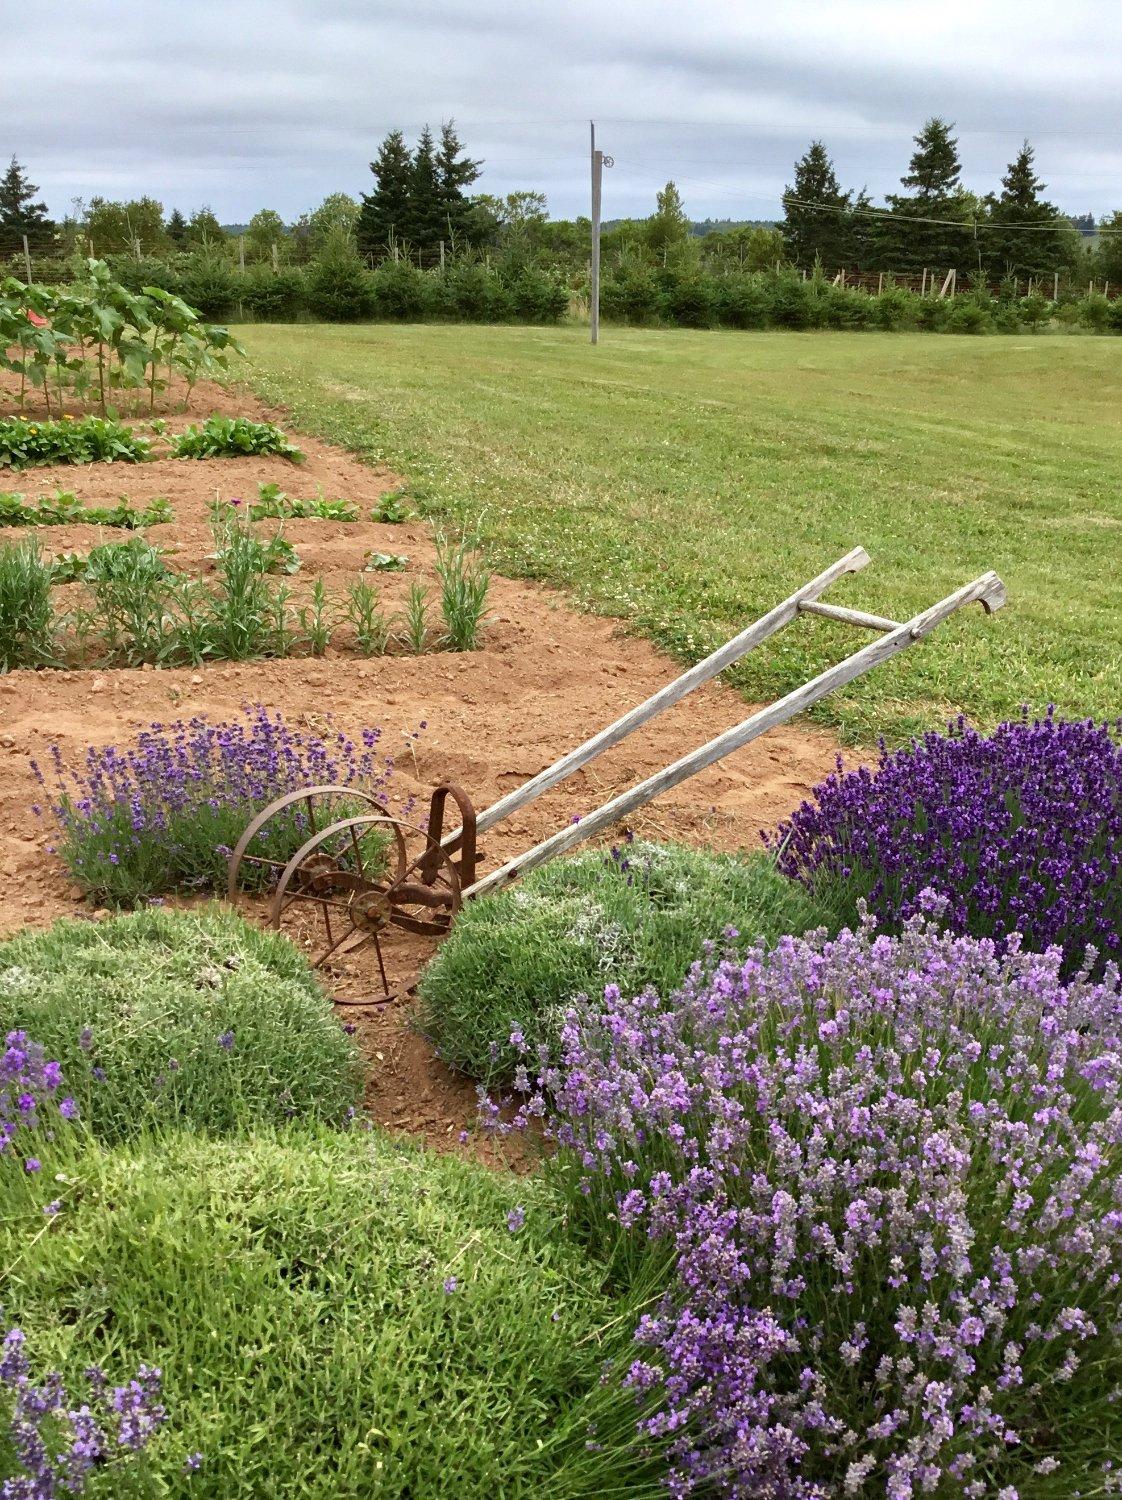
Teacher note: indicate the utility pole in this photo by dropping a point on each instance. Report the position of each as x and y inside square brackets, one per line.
[599, 162]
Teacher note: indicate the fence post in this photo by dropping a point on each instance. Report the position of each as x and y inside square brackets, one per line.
[442, 255]
[880, 282]
[1055, 286]
[273, 248]
[27, 259]
[923, 284]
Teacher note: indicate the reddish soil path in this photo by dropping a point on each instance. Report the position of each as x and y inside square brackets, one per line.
[546, 679]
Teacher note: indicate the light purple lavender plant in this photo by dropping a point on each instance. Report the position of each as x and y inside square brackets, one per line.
[889, 1171]
[29, 1097]
[57, 1442]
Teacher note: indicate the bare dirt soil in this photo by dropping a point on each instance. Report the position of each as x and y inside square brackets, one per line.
[546, 679]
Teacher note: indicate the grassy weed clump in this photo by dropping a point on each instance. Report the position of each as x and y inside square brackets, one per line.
[27, 620]
[464, 581]
[335, 1316]
[633, 917]
[172, 1018]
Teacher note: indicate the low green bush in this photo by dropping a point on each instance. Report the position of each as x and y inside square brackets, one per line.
[233, 437]
[187, 1018]
[271, 296]
[335, 1316]
[209, 283]
[339, 288]
[398, 290]
[26, 445]
[637, 916]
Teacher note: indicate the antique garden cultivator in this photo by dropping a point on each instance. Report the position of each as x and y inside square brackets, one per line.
[361, 874]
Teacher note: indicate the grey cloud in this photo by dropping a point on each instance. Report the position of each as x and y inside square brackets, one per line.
[244, 103]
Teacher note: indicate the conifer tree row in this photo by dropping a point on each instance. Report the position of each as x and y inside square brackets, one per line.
[419, 197]
[934, 222]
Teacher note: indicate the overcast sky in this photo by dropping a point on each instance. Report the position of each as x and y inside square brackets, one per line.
[243, 104]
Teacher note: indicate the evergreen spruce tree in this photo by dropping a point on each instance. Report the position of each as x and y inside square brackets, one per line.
[1020, 251]
[454, 173]
[861, 224]
[1109, 257]
[176, 229]
[385, 213]
[21, 215]
[668, 225]
[424, 220]
[914, 235]
[815, 219]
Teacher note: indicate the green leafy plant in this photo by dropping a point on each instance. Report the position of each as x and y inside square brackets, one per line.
[64, 509]
[175, 1018]
[132, 603]
[27, 621]
[385, 562]
[25, 444]
[110, 560]
[464, 582]
[273, 504]
[222, 437]
[391, 509]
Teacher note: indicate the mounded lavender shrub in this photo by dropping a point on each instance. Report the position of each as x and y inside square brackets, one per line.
[164, 813]
[1020, 830]
[890, 1173]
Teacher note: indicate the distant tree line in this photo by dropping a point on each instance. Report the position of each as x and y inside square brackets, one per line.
[421, 206]
[935, 222]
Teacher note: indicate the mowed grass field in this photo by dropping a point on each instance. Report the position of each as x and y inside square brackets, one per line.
[688, 481]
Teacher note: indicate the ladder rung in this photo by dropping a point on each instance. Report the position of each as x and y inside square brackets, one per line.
[848, 616]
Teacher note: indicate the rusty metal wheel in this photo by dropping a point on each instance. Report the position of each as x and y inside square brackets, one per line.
[359, 880]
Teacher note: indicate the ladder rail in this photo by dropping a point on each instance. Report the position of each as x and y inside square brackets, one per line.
[725, 656]
[987, 590]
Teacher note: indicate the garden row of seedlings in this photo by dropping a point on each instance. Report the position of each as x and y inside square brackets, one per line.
[851, 1168]
[136, 610]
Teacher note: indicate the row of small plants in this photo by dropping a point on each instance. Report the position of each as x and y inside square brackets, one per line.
[340, 286]
[25, 444]
[694, 298]
[135, 610]
[64, 508]
[95, 340]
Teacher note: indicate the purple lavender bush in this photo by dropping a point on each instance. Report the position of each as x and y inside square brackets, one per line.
[164, 813]
[54, 1444]
[1020, 831]
[889, 1172]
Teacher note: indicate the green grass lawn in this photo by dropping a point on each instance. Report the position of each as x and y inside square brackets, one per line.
[687, 481]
